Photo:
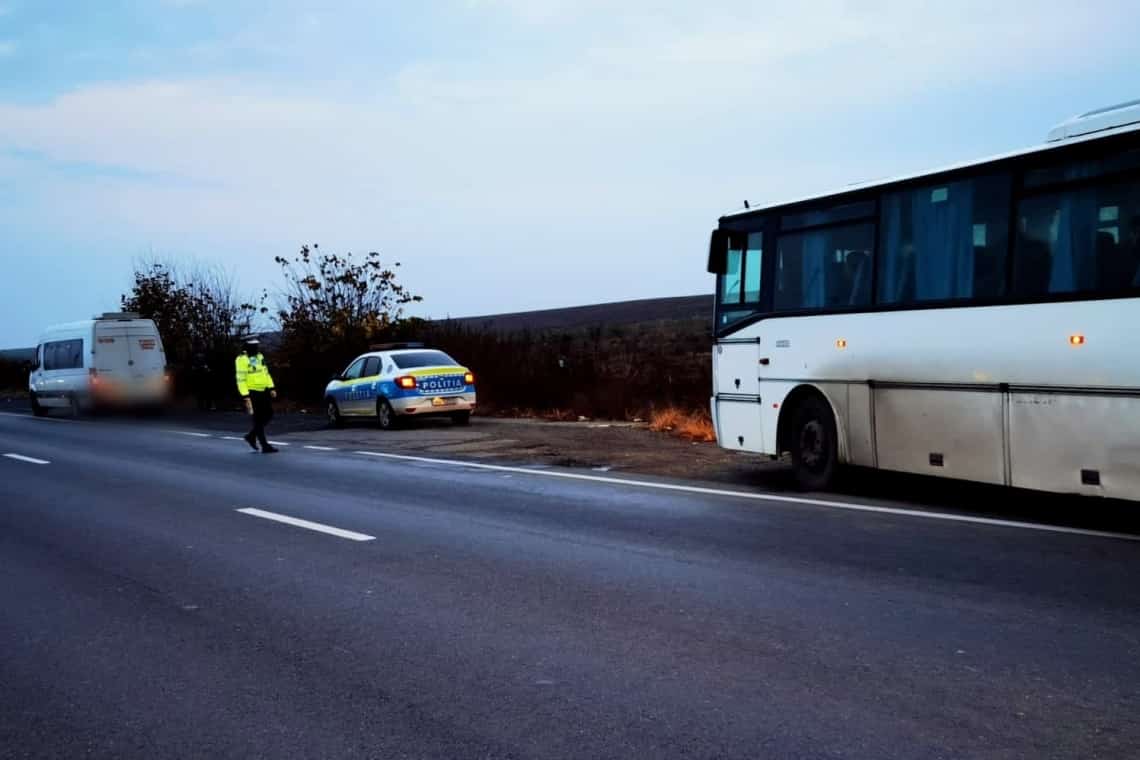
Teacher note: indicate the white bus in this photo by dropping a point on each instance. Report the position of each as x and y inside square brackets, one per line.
[975, 322]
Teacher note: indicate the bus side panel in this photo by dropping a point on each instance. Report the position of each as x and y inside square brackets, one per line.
[950, 433]
[1057, 436]
[737, 368]
[740, 425]
[860, 426]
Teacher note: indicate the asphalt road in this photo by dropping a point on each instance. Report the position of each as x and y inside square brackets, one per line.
[500, 612]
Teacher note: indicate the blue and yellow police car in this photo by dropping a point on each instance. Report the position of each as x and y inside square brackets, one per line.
[398, 381]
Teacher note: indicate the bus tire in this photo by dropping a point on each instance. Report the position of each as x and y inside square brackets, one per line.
[386, 418]
[814, 444]
[333, 412]
[37, 409]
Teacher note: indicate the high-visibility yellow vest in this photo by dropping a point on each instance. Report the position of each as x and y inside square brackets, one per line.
[252, 374]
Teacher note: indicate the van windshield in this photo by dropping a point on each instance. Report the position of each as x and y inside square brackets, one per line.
[414, 359]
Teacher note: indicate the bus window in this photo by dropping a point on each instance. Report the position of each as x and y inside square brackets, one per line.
[739, 286]
[752, 267]
[1083, 240]
[730, 280]
[824, 269]
[944, 242]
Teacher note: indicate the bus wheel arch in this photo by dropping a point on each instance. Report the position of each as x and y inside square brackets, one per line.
[808, 428]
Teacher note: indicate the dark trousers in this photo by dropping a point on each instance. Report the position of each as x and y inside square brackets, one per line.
[262, 414]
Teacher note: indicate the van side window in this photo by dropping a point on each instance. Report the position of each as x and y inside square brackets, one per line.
[63, 354]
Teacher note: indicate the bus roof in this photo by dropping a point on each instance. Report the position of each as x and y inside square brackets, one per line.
[1115, 120]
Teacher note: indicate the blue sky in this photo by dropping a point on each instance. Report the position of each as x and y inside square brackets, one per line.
[513, 154]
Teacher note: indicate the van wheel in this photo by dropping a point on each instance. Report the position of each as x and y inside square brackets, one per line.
[814, 444]
[461, 418]
[386, 417]
[37, 409]
[75, 406]
[333, 412]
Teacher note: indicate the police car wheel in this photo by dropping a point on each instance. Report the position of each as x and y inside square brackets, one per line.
[461, 418]
[385, 416]
[335, 420]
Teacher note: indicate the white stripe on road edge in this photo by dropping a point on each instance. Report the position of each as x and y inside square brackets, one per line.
[278, 443]
[29, 460]
[232, 438]
[33, 417]
[350, 535]
[320, 448]
[763, 497]
[190, 433]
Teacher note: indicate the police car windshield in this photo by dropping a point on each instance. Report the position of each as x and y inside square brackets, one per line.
[414, 359]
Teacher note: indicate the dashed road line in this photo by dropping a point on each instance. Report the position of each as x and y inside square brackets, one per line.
[307, 524]
[320, 448]
[29, 460]
[851, 506]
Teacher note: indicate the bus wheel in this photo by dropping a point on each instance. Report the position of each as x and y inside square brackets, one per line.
[814, 444]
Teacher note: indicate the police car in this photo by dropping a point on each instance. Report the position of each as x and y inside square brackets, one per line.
[398, 381]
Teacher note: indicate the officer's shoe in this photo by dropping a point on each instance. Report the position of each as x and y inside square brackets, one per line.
[269, 450]
[250, 440]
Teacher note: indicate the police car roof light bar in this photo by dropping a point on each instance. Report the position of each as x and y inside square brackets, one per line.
[394, 346]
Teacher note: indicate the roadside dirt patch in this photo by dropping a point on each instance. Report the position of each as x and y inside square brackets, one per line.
[617, 447]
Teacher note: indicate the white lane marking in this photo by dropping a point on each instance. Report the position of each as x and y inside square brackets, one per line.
[297, 522]
[949, 517]
[190, 433]
[279, 443]
[320, 448]
[232, 438]
[33, 417]
[29, 460]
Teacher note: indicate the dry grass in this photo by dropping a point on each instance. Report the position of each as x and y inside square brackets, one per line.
[690, 425]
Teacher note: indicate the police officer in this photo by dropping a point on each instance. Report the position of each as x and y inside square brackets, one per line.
[256, 387]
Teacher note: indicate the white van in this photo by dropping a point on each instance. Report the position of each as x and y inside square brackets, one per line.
[116, 359]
